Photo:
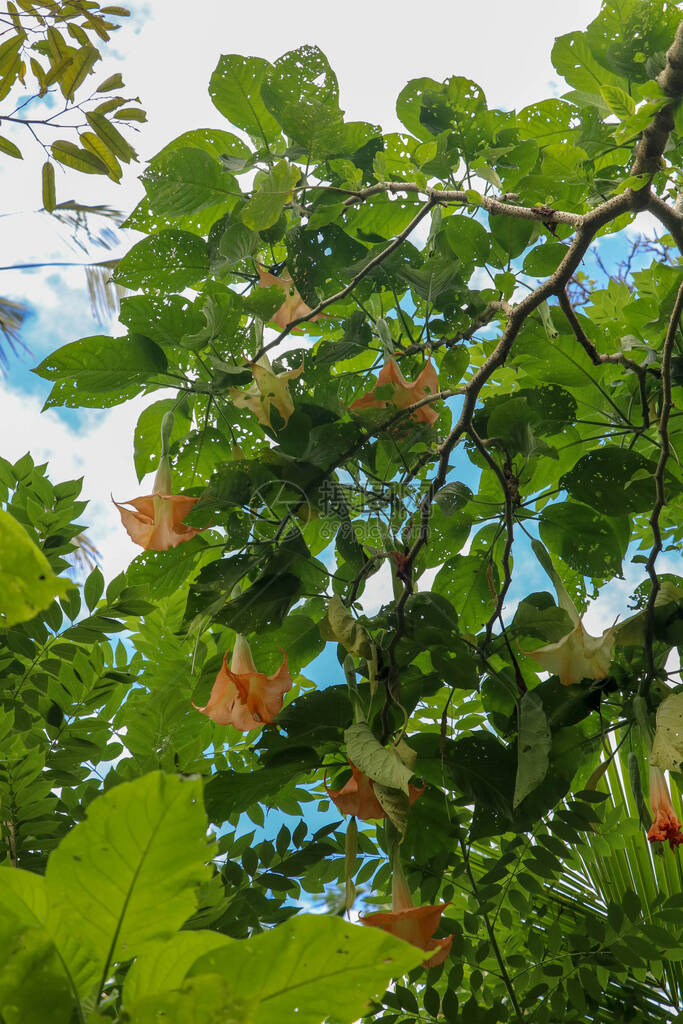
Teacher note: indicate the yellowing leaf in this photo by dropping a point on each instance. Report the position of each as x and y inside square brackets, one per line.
[346, 631]
[667, 749]
[27, 583]
[381, 764]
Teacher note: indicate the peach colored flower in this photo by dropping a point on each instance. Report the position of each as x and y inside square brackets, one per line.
[269, 389]
[403, 393]
[358, 797]
[415, 925]
[294, 306]
[666, 825]
[243, 697]
[156, 520]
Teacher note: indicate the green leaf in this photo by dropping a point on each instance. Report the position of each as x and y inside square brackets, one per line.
[74, 73]
[127, 875]
[147, 439]
[111, 83]
[302, 92]
[544, 259]
[79, 159]
[230, 792]
[620, 103]
[185, 180]
[572, 58]
[34, 987]
[165, 319]
[513, 235]
[310, 969]
[93, 588]
[235, 89]
[533, 746]
[274, 190]
[93, 367]
[49, 192]
[10, 148]
[379, 763]
[27, 582]
[94, 144]
[164, 965]
[453, 366]
[464, 580]
[111, 137]
[612, 480]
[170, 260]
[588, 542]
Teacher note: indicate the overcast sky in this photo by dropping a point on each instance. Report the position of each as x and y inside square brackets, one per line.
[166, 55]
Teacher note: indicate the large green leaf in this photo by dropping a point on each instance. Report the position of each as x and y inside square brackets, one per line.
[27, 582]
[235, 89]
[34, 986]
[301, 91]
[164, 964]
[310, 969]
[587, 541]
[186, 180]
[101, 371]
[170, 260]
[613, 480]
[127, 875]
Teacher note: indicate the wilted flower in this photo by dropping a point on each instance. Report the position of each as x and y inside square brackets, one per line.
[243, 697]
[403, 393]
[294, 306]
[415, 925]
[666, 825]
[358, 797]
[577, 655]
[155, 521]
[269, 389]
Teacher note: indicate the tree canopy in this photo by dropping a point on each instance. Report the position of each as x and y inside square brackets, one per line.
[404, 377]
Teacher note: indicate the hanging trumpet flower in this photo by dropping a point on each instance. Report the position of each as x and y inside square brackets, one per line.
[243, 697]
[155, 521]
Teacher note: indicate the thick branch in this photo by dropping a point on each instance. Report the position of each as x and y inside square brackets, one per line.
[669, 217]
[660, 490]
[556, 283]
[654, 138]
[495, 206]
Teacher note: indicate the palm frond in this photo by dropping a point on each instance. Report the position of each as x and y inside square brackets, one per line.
[105, 295]
[12, 315]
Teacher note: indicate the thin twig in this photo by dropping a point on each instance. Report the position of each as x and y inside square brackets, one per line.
[338, 296]
[491, 934]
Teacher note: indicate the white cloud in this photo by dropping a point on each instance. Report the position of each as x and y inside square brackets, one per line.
[614, 597]
[100, 451]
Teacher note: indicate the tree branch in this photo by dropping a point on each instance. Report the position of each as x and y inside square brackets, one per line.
[660, 502]
[654, 138]
[544, 214]
[370, 265]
